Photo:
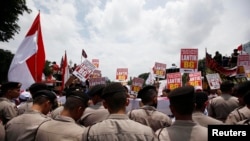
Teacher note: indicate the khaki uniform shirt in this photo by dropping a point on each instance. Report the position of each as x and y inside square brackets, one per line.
[56, 112]
[237, 115]
[25, 106]
[182, 130]
[94, 114]
[148, 115]
[2, 132]
[204, 120]
[221, 106]
[24, 127]
[8, 110]
[62, 128]
[118, 127]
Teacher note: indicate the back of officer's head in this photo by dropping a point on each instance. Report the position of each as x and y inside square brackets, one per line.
[147, 94]
[76, 99]
[115, 96]
[43, 96]
[183, 100]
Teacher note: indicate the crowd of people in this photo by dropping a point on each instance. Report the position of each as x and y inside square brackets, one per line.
[100, 113]
[226, 61]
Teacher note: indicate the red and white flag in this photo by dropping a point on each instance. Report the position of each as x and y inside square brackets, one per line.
[28, 63]
[65, 71]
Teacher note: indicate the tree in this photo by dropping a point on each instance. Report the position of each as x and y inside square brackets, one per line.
[9, 12]
[5, 61]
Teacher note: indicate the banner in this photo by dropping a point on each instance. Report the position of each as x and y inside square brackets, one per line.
[84, 70]
[96, 74]
[122, 74]
[214, 81]
[137, 84]
[160, 70]
[189, 60]
[243, 60]
[174, 80]
[195, 79]
[95, 62]
[96, 81]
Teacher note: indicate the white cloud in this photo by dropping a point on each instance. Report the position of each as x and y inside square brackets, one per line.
[138, 33]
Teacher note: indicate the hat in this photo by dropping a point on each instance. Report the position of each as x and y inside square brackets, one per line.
[10, 85]
[113, 88]
[182, 93]
[145, 89]
[25, 95]
[45, 93]
[37, 87]
[226, 85]
[96, 90]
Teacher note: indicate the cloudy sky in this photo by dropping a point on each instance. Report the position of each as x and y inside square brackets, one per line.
[135, 34]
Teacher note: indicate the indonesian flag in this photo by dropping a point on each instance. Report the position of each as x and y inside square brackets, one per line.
[65, 71]
[28, 63]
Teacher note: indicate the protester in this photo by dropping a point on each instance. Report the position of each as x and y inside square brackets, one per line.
[182, 104]
[8, 109]
[234, 58]
[117, 126]
[218, 57]
[221, 106]
[24, 127]
[148, 114]
[201, 102]
[95, 112]
[64, 126]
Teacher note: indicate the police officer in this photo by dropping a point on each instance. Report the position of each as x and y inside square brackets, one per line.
[182, 103]
[95, 112]
[27, 105]
[64, 126]
[201, 102]
[117, 126]
[148, 114]
[221, 106]
[24, 127]
[8, 109]
[242, 112]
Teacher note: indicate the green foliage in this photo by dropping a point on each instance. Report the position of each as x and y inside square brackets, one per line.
[5, 61]
[9, 12]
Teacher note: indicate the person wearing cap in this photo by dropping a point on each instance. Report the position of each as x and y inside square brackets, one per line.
[64, 126]
[24, 127]
[182, 104]
[96, 112]
[8, 109]
[27, 105]
[221, 106]
[148, 114]
[243, 111]
[201, 102]
[117, 126]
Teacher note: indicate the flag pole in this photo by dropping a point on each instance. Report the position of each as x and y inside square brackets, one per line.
[81, 59]
[38, 30]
